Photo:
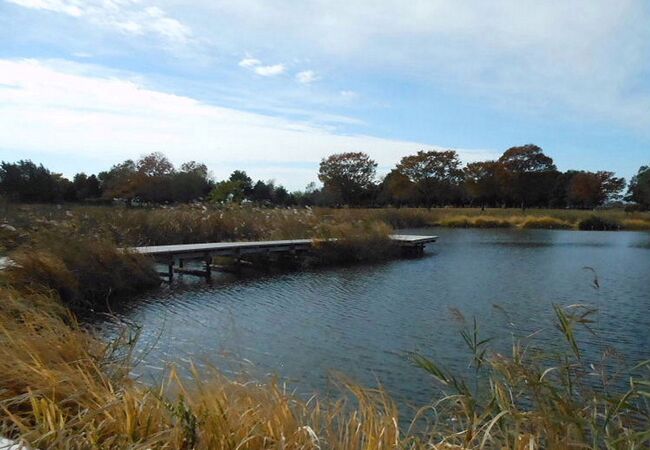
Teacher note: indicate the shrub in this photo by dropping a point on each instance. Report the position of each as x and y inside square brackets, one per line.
[597, 223]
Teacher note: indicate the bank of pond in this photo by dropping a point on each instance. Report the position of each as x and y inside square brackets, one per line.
[484, 342]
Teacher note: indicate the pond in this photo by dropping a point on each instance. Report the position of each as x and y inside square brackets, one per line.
[362, 321]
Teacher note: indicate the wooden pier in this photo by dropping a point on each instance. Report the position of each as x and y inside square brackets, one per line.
[174, 256]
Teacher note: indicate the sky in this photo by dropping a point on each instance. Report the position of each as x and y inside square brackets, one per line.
[274, 86]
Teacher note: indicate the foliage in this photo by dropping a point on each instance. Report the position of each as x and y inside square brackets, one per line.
[595, 223]
[436, 176]
[522, 177]
[24, 181]
[347, 175]
[639, 189]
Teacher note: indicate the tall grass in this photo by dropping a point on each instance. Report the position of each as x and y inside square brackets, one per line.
[354, 242]
[201, 223]
[540, 398]
[61, 388]
[84, 273]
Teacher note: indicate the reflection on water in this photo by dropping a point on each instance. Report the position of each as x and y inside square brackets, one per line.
[362, 320]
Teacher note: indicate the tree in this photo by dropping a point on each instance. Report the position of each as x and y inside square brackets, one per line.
[347, 176]
[589, 189]
[83, 187]
[24, 181]
[227, 191]
[155, 165]
[436, 175]
[397, 189]
[528, 175]
[481, 181]
[243, 179]
[262, 192]
[639, 189]
[120, 181]
[190, 182]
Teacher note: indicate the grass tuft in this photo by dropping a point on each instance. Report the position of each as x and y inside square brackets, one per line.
[545, 222]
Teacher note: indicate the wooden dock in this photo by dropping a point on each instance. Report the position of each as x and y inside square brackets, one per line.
[174, 256]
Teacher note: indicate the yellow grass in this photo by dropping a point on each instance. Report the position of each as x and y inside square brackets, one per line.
[62, 388]
[636, 225]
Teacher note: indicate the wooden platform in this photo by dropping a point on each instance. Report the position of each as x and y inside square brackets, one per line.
[176, 254]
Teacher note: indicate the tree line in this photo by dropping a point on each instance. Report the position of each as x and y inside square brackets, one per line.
[522, 177]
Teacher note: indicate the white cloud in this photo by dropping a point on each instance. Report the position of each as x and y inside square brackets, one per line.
[126, 16]
[269, 71]
[583, 56]
[306, 77]
[46, 109]
[256, 66]
[249, 62]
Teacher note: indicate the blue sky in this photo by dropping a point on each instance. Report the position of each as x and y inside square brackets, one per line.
[273, 86]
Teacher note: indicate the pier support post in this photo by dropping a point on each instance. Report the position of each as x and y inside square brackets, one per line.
[170, 274]
[208, 267]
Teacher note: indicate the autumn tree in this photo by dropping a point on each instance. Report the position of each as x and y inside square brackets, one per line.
[435, 174]
[639, 189]
[348, 177]
[528, 175]
[120, 181]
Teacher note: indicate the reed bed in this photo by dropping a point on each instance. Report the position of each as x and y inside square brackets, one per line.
[205, 223]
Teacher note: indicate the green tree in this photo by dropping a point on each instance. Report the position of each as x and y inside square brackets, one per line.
[228, 191]
[191, 182]
[347, 177]
[397, 189]
[25, 181]
[243, 179]
[528, 176]
[436, 174]
[639, 189]
[481, 181]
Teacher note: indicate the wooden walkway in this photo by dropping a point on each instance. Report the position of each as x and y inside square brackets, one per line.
[176, 255]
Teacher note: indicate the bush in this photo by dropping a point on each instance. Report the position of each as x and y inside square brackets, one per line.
[597, 223]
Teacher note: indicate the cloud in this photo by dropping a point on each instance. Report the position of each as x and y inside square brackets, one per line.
[269, 71]
[256, 66]
[53, 109]
[588, 57]
[306, 77]
[249, 62]
[125, 16]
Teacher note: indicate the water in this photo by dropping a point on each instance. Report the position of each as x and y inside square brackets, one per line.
[362, 321]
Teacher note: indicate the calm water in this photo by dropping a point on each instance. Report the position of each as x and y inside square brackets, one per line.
[361, 321]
